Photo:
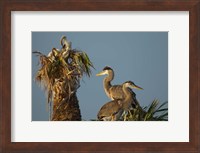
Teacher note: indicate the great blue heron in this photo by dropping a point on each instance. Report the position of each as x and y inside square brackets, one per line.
[66, 46]
[115, 91]
[113, 110]
[65, 43]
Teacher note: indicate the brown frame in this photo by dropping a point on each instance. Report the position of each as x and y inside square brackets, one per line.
[6, 6]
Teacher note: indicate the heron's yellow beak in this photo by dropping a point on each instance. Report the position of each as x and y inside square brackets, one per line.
[137, 87]
[100, 73]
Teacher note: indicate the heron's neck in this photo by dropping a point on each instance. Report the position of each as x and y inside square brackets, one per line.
[128, 95]
[128, 98]
[107, 82]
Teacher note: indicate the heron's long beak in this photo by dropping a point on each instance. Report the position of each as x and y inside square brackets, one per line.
[100, 73]
[136, 87]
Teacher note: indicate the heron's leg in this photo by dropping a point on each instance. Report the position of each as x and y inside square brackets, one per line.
[130, 114]
[125, 116]
[112, 117]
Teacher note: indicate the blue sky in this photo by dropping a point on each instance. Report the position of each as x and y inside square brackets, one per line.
[141, 57]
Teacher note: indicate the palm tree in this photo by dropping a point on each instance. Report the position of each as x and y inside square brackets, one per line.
[60, 74]
[153, 112]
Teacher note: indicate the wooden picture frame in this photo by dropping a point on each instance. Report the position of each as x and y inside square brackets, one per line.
[193, 6]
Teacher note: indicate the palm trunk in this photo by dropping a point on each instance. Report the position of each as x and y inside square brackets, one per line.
[67, 110]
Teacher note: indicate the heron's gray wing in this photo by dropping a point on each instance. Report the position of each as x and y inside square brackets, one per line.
[116, 92]
[109, 109]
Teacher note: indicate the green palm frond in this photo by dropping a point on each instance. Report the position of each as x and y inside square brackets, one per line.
[153, 112]
[82, 62]
[156, 112]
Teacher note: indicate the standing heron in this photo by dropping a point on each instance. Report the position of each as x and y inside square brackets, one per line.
[113, 110]
[107, 80]
[115, 91]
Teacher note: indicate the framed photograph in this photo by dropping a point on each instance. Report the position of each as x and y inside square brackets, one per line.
[53, 100]
[109, 48]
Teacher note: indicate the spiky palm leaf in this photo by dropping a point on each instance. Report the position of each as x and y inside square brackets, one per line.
[153, 112]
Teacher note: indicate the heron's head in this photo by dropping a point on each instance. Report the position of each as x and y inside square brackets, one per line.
[131, 84]
[106, 70]
[63, 40]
